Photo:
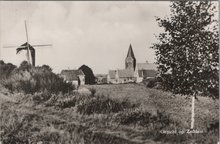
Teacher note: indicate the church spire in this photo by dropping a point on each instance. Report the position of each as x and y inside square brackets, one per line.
[130, 61]
[130, 52]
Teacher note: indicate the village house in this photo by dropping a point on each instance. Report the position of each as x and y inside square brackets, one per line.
[144, 71]
[133, 72]
[101, 78]
[76, 77]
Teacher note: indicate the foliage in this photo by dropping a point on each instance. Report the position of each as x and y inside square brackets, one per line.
[23, 123]
[187, 52]
[34, 128]
[103, 104]
[6, 69]
[89, 76]
[24, 65]
[40, 97]
[144, 118]
[152, 82]
[66, 102]
[17, 127]
[90, 103]
[35, 79]
[93, 91]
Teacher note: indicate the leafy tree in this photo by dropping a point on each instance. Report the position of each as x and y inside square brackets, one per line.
[2, 62]
[187, 52]
[89, 76]
[6, 69]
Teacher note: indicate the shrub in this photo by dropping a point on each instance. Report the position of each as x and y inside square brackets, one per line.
[36, 79]
[52, 100]
[153, 82]
[67, 100]
[93, 91]
[17, 127]
[5, 70]
[66, 103]
[103, 104]
[213, 127]
[41, 97]
[143, 118]
[150, 82]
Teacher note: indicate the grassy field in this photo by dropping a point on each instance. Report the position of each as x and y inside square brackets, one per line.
[178, 107]
[111, 114]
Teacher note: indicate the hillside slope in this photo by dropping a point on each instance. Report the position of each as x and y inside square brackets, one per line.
[145, 112]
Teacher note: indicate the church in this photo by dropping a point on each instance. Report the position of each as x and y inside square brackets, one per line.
[133, 72]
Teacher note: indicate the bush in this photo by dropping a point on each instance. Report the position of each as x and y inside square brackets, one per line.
[66, 103]
[102, 104]
[143, 118]
[93, 91]
[36, 79]
[5, 70]
[41, 97]
[150, 82]
[66, 100]
[153, 82]
[90, 104]
[16, 127]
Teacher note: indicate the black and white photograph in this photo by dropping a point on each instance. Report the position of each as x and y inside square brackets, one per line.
[109, 72]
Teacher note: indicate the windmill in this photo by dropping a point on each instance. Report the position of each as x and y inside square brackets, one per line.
[29, 48]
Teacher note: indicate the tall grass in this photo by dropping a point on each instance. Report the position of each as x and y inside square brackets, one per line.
[104, 104]
[104, 118]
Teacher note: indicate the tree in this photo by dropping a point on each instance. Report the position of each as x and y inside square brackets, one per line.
[89, 76]
[6, 69]
[2, 62]
[187, 52]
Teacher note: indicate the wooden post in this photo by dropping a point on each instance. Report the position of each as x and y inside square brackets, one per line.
[193, 112]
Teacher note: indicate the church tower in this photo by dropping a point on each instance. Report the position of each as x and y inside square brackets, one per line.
[130, 61]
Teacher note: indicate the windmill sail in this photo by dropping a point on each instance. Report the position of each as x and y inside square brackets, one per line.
[26, 46]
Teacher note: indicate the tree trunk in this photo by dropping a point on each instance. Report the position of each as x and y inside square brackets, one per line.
[193, 112]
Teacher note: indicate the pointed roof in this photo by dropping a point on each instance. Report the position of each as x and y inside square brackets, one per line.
[130, 52]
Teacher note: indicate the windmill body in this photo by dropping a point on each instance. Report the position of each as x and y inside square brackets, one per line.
[30, 49]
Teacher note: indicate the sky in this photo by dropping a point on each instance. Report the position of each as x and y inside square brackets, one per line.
[97, 34]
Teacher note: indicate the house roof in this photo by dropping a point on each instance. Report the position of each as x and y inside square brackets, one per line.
[125, 73]
[147, 73]
[101, 75]
[112, 74]
[71, 75]
[146, 66]
[122, 73]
